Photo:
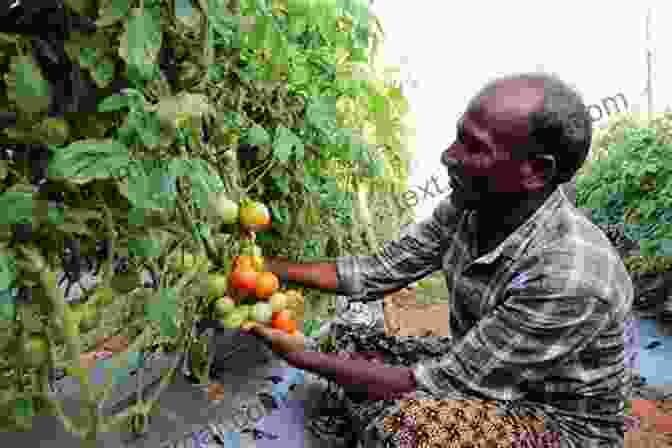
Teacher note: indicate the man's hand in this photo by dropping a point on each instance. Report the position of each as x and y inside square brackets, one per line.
[279, 341]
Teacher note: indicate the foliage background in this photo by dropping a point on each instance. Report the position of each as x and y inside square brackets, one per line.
[279, 101]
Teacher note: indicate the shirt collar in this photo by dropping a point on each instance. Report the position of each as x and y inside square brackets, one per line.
[516, 243]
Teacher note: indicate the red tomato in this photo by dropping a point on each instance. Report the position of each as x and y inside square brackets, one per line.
[244, 280]
[282, 321]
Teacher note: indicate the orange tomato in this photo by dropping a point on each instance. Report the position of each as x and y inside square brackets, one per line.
[246, 262]
[267, 284]
[282, 321]
[254, 213]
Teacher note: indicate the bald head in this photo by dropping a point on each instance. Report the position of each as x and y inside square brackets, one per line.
[540, 114]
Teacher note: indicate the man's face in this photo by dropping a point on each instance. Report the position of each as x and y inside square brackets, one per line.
[479, 162]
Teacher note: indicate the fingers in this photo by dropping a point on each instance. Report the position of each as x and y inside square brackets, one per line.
[248, 326]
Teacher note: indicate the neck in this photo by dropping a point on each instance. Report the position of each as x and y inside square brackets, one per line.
[510, 213]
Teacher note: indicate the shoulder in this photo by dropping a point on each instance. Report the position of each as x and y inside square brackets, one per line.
[572, 254]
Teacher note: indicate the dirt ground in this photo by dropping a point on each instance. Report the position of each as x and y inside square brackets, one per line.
[405, 317]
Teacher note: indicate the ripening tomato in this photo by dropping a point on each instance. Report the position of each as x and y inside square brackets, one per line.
[267, 284]
[254, 213]
[282, 321]
[246, 262]
[244, 280]
[258, 263]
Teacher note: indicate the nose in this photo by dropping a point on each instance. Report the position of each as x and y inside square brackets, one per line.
[448, 160]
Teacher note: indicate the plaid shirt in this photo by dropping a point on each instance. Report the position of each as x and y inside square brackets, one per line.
[539, 319]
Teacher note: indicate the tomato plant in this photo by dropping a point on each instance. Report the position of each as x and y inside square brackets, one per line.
[153, 172]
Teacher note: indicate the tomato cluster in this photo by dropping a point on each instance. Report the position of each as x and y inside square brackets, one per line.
[249, 293]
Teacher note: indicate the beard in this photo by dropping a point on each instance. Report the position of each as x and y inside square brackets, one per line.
[476, 194]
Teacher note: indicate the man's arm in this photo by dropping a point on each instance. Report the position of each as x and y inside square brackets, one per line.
[396, 265]
[313, 275]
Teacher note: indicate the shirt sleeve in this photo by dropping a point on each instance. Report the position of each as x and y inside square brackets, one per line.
[543, 320]
[399, 263]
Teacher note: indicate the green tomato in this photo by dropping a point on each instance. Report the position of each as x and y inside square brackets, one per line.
[217, 285]
[224, 306]
[247, 311]
[35, 351]
[234, 320]
[184, 262]
[224, 208]
[262, 312]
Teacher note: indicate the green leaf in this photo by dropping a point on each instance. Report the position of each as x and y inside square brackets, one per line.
[17, 207]
[7, 304]
[376, 168]
[282, 183]
[258, 136]
[321, 113]
[103, 73]
[32, 89]
[55, 216]
[23, 407]
[137, 216]
[144, 248]
[286, 142]
[163, 309]
[7, 271]
[280, 214]
[204, 181]
[150, 130]
[97, 159]
[665, 248]
[152, 184]
[141, 42]
[114, 103]
[112, 11]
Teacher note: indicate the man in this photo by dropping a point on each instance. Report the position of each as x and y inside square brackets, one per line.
[539, 296]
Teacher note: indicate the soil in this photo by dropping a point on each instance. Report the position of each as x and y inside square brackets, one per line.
[404, 316]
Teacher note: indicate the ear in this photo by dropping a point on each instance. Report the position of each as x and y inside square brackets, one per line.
[539, 171]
